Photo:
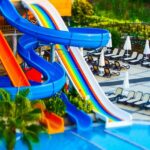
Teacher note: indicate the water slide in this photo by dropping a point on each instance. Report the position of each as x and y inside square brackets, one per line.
[76, 67]
[84, 122]
[54, 123]
[71, 59]
[54, 74]
[9, 62]
[75, 38]
[55, 79]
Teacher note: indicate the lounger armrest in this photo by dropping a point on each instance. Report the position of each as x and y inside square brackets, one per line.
[110, 94]
[123, 96]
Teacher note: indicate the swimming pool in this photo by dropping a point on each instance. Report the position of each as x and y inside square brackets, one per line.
[135, 137]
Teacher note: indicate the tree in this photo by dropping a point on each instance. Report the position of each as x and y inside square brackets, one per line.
[81, 9]
[18, 114]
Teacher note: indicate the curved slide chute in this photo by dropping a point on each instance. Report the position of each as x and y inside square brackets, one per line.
[76, 67]
[53, 73]
[49, 35]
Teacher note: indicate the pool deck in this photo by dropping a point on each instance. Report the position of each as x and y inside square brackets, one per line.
[135, 72]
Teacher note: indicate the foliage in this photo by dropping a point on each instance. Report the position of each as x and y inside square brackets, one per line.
[81, 9]
[126, 18]
[116, 38]
[127, 10]
[18, 114]
[79, 102]
[56, 105]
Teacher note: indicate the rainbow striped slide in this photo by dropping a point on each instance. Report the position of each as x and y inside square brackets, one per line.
[76, 67]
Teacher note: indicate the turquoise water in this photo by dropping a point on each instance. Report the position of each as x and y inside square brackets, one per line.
[135, 137]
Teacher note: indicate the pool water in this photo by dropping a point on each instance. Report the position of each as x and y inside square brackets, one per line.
[135, 137]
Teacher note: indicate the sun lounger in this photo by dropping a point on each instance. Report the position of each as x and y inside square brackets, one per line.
[115, 52]
[146, 105]
[145, 64]
[143, 100]
[108, 64]
[138, 60]
[95, 69]
[108, 73]
[118, 66]
[126, 98]
[92, 51]
[138, 96]
[105, 73]
[114, 96]
[90, 59]
[133, 56]
[120, 55]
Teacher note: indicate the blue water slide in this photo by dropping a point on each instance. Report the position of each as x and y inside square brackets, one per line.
[82, 120]
[103, 37]
[84, 38]
[53, 73]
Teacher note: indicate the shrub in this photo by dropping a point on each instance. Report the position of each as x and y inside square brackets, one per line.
[56, 105]
[116, 38]
[79, 102]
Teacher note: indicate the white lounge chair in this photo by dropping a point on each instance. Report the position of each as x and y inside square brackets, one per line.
[138, 60]
[143, 100]
[121, 54]
[114, 95]
[126, 98]
[133, 56]
[115, 51]
[138, 96]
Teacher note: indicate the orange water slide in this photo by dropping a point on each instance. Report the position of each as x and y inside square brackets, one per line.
[11, 65]
[53, 122]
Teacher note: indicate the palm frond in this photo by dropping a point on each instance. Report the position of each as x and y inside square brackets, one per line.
[4, 95]
[28, 117]
[10, 138]
[6, 108]
[36, 128]
[19, 114]
[31, 135]
[26, 141]
[24, 92]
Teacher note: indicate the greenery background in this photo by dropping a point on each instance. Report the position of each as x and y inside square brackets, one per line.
[120, 17]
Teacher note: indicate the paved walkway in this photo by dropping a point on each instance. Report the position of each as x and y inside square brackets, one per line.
[135, 72]
[140, 81]
[139, 78]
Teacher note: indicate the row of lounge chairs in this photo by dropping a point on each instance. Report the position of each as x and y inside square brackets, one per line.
[105, 73]
[97, 69]
[140, 99]
[102, 71]
[134, 58]
[116, 65]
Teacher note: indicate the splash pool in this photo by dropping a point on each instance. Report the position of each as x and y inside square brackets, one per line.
[135, 137]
